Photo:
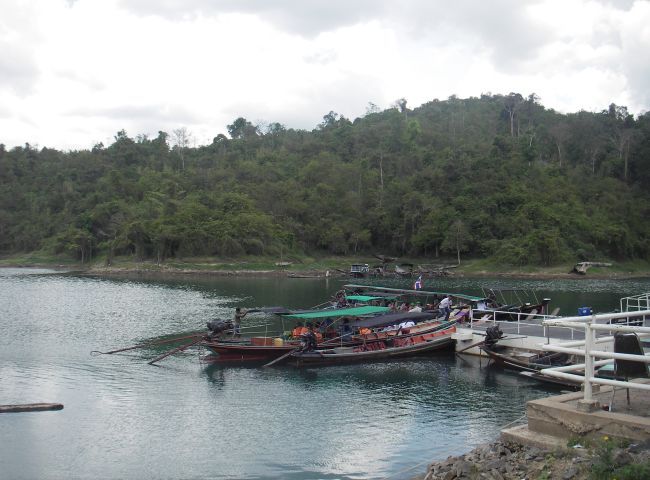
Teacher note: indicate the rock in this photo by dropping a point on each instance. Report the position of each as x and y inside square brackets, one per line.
[570, 472]
[497, 464]
[463, 468]
[450, 475]
[621, 457]
[639, 447]
[534, 451]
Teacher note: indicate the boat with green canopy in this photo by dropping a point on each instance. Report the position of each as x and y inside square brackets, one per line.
[377, 323]
[268, 348]
[393, 347]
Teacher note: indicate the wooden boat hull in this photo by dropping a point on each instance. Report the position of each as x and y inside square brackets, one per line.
[225, 351]
[247, 353]
[401, 347]
[527, 360]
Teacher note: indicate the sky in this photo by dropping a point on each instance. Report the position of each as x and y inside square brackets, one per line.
[75, 72]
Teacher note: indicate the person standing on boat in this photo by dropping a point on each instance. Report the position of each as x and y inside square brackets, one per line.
[445, 307]
[236, 324]
[346, 330]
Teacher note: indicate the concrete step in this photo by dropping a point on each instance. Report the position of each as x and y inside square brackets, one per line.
[522, 435]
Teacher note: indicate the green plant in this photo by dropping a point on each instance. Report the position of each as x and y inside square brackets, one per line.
[603, 467]
[635, 471]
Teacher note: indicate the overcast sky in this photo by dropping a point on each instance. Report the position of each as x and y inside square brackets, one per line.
[74, 72]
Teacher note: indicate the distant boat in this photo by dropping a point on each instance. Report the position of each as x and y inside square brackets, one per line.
[404, 269]
[359, 270]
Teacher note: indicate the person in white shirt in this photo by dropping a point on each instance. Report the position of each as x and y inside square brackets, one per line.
[445, 307]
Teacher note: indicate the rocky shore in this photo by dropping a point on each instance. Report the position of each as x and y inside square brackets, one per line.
[509, 461]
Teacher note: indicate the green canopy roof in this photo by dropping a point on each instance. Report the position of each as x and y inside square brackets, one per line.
[340, 312]
[365, 298]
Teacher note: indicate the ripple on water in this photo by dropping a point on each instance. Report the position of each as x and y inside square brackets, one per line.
[184, 419]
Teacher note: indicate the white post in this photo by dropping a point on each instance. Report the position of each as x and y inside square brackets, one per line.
[587, 403]
[589, 360]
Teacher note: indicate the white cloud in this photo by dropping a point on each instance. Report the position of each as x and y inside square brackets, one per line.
[75, 73]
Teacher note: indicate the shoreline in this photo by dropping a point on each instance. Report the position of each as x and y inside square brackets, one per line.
[166, 271]
[501, 460]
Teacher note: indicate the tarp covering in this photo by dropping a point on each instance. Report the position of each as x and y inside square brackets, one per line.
[340, 312]
[393, 319]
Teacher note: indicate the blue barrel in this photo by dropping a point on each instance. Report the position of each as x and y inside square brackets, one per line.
[584, 311]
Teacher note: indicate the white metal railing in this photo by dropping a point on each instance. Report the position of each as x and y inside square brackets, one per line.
[591, 325]
[522, 319]
[635, 303]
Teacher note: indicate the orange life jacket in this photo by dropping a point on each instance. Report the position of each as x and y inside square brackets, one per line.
[298, 331]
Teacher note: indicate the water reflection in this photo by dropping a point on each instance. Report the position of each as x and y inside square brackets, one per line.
[122, 417]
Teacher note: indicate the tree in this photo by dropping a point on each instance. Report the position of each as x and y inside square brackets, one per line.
[456, 238]
[242, 129]
[181, 138]
[400, 104]
[512, 103]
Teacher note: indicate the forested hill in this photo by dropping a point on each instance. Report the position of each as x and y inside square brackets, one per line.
[496, 176]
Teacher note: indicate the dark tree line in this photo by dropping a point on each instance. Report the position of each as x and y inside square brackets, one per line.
[496, 176]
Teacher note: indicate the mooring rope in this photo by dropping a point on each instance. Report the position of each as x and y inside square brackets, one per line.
[514, 421]
[406, 470]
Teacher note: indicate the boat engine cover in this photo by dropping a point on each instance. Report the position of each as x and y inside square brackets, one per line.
[218, 325]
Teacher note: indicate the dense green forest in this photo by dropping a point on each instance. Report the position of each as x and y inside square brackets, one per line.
[498, 177]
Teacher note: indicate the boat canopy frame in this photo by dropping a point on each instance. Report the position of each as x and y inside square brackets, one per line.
[422, 293]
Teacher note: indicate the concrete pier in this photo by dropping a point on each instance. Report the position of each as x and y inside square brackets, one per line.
[554, 420]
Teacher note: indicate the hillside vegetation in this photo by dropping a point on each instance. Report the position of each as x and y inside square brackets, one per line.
[496, 177]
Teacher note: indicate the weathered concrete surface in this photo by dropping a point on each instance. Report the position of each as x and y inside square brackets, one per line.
[561, 417]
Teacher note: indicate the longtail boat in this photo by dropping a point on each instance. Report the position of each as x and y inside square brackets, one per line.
[269, 348]
[394, 347]
[521, 359]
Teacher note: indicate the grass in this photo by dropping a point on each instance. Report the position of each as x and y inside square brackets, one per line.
[36, 259]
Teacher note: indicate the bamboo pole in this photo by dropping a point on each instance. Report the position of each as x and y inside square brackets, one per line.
[30, 407]
[171, 352]
[273, 362]
[145, 345]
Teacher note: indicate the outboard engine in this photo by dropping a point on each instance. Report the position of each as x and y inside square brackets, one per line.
[217, 326]
[308, 342]
[493, 334]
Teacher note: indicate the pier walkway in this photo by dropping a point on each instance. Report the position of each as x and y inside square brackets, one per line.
[604, 407]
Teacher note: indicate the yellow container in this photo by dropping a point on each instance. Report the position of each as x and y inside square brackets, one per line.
[278, 342]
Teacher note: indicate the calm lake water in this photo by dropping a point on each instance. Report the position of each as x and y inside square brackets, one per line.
[188, 420]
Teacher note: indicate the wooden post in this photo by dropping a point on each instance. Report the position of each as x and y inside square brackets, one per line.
[30, 407]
